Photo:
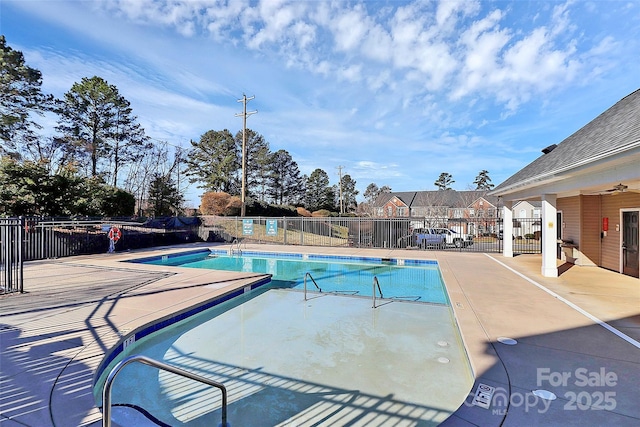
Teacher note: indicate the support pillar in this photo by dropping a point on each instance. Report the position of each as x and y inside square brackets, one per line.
[549, 236]
[507, 229]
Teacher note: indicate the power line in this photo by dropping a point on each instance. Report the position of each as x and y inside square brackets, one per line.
[244, 116]
[340, 187]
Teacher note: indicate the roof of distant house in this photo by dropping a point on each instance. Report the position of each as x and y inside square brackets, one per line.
[449, 198]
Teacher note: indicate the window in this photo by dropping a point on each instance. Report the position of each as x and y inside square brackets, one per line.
[389, 211]
[457, 213]
[402, 212]
[379, 211]
[472, 212]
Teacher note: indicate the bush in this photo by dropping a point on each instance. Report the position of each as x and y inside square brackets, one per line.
[302, 211]
[219, 203]
[321, 213]
[529, 236]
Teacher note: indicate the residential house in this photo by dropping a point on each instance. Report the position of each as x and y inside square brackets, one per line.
[588, 187]
[526, 219]
[472, 212]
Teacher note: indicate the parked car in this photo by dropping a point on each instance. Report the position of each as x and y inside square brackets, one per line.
[454, 238]
[441, 237]
[426, 237]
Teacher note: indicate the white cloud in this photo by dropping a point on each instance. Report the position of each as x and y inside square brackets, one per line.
[349, 27]
[350, 82]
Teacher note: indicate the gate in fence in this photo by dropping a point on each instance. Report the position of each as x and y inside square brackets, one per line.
[11, 255]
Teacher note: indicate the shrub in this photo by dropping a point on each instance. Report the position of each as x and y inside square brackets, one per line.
[321, 213]
[214, 203]
[302, 211]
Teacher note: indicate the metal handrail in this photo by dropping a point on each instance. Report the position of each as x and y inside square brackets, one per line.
[237, 243]
[305, 284]
[106, 390]
[376, 283]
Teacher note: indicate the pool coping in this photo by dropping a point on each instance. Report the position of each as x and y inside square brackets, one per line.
[475, 283]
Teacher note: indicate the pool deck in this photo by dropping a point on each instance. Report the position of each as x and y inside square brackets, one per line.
[577, 335]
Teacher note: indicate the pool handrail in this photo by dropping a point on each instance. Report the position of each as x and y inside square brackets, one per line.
[373, 293]
[305, 284]
[237, 243]
[106, 389]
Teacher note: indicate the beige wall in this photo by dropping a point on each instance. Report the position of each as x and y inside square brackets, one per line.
[582, 223]
[570, 208]
[590, 230]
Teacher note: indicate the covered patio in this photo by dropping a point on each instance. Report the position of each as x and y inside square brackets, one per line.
[589, 187]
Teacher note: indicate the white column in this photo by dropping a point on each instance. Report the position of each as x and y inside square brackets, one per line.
[507, 229]
[549, 236]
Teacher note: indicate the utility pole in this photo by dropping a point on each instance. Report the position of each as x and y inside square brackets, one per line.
[340, 187]
[244, 116]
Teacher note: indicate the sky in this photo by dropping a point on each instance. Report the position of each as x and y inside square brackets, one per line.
[389, 92]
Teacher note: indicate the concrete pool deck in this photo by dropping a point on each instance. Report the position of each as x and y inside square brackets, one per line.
[54, 336]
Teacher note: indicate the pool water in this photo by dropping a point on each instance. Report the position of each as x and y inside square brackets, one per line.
[402, 279]
[329, 361]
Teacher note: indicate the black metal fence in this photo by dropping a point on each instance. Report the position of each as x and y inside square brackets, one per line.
[26, 239]
[484, 234]
[45, 239]
[11, 255]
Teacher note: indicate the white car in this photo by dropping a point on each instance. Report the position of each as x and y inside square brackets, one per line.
[453, 238]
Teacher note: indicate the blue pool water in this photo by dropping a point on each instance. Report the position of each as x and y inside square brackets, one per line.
[328, 361]
[412, 280]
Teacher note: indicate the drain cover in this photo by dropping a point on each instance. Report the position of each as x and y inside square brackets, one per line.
[545, 394]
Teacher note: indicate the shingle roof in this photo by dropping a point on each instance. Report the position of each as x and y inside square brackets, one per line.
[405, 196]
[615, 130]
[449, 198]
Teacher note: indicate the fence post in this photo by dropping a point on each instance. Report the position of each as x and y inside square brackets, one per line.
[20, 248]
[284, 227]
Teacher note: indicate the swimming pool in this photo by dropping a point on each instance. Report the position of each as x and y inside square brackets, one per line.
[330, 360]
[418, 280]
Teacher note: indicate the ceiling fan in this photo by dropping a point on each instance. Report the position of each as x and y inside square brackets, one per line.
[616, 189]
[620, 188]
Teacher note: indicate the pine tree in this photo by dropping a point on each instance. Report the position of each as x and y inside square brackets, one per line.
[444, 181]
[20, 98]
[483, 182]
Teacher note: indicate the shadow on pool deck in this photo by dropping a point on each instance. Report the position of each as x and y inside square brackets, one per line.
[54, 336]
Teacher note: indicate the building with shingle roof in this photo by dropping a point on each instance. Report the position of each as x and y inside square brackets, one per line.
[440, 207]
[589, 189]
[442, 203]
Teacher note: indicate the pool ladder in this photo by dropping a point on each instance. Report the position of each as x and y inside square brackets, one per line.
[236, 243]
[106, 390]
[376, 284]
[305, 284]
